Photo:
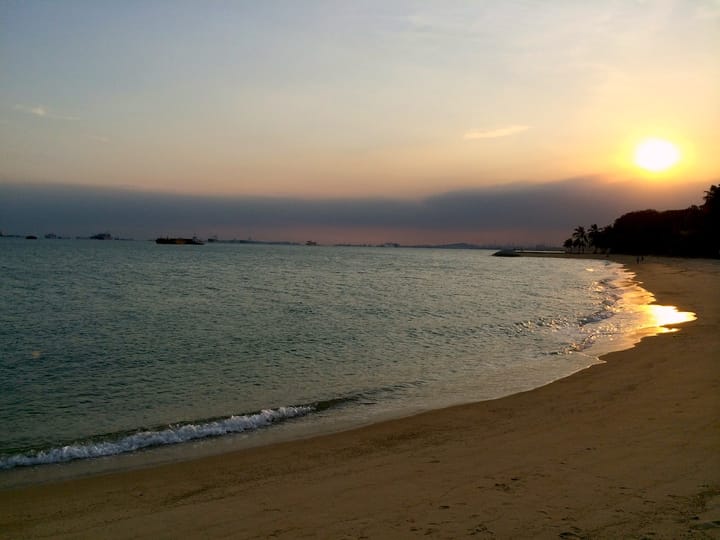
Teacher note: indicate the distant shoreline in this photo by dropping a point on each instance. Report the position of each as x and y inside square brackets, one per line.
[215, 240]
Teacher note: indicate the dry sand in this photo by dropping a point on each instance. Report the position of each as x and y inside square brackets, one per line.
[626, 449]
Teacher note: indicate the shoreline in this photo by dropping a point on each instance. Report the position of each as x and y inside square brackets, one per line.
[628, 447]
[52, 466]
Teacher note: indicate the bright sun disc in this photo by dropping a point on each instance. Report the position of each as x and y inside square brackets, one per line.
[656, 155]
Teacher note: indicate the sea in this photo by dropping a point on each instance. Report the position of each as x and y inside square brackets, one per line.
[118, 354]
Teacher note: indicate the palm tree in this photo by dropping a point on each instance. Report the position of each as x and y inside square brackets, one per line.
[580, 238]
[593, 234]
[712, 196]
[711, 209]
[712, 202]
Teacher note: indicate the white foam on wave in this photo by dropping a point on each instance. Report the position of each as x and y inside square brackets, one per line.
[613, 326]
[609, 319]
[173, 434]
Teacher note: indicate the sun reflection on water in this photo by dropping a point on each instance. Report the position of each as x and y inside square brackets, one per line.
[662, 316]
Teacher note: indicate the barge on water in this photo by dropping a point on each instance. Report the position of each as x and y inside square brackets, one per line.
[194, 241]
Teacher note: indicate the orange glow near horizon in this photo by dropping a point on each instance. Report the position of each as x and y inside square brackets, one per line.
[694, 163]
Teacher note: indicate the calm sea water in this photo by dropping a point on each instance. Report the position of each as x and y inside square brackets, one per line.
[110, 347]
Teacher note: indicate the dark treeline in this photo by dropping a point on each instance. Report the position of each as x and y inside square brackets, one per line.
[691, 232]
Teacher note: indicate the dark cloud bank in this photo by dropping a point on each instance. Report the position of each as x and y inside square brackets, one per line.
[544, 211]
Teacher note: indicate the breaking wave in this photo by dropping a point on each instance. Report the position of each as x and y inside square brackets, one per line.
[172, 434]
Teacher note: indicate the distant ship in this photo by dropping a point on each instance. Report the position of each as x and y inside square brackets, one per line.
[195, 241]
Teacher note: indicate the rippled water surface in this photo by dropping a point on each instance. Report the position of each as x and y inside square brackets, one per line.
[109, 347]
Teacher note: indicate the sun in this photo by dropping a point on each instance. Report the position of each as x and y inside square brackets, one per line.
[656, 155]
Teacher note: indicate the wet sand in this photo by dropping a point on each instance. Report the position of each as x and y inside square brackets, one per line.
[625, 449]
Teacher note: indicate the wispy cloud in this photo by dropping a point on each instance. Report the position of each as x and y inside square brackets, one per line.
[42, 112]
[495, 133]
[99, 138]
[708, 11]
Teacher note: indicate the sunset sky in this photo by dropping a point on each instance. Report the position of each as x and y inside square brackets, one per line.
[376, 106]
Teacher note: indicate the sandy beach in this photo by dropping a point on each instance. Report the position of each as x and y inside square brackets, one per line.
[625, 449]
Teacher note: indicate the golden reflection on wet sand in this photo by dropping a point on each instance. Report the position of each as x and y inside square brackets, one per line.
[660, 317]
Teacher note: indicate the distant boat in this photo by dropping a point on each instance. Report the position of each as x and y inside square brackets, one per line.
[506, 253]
[195, 241]
[31, 237]
[101, 236]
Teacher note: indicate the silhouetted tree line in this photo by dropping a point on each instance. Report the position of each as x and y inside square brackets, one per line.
[692, 232]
